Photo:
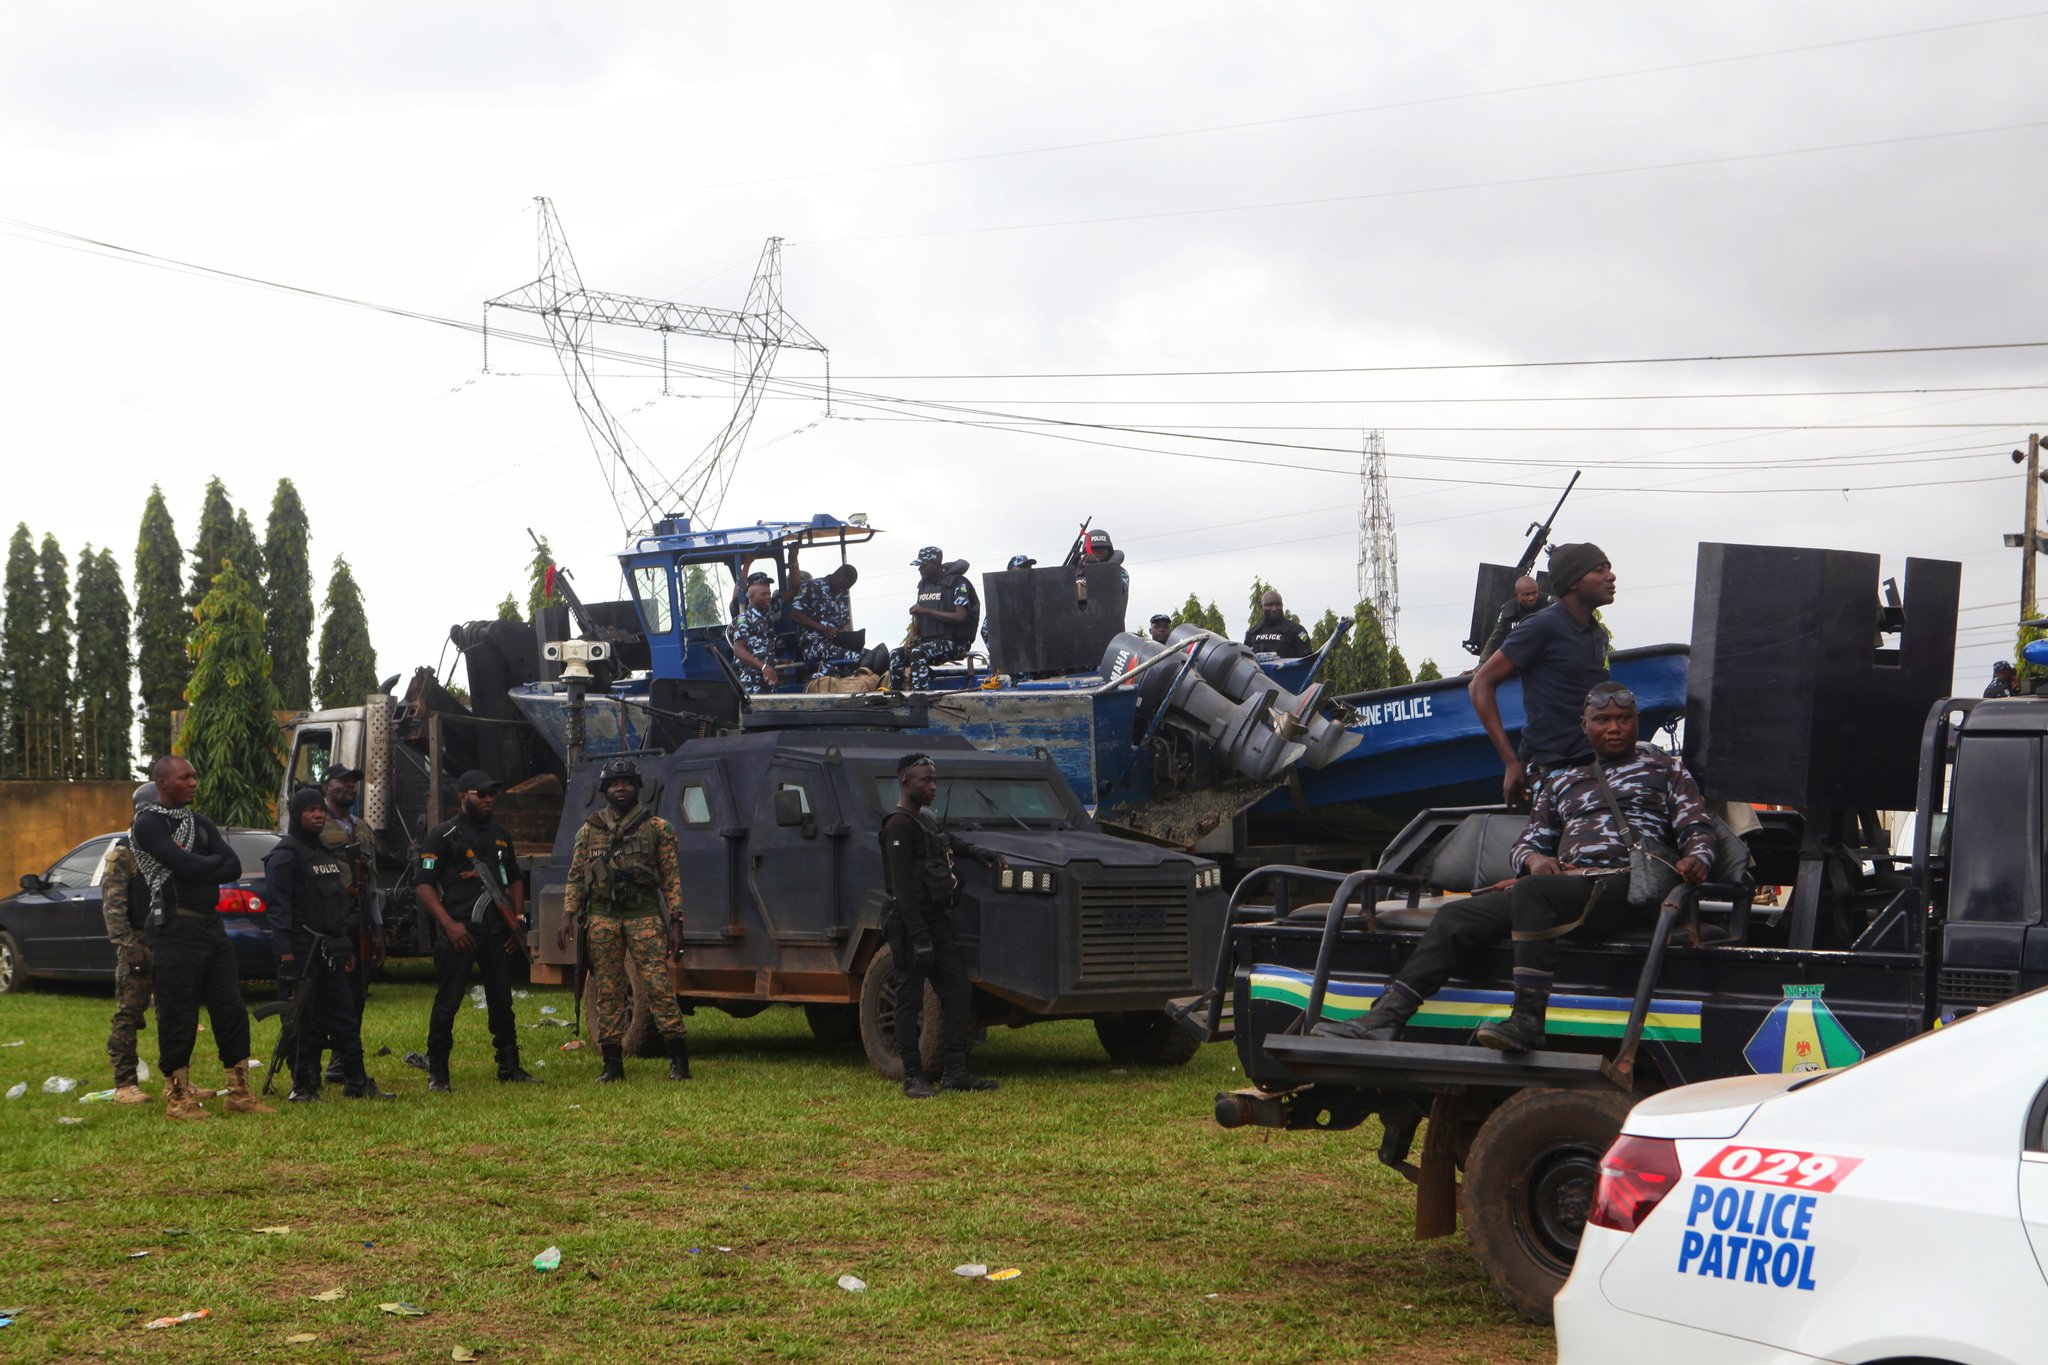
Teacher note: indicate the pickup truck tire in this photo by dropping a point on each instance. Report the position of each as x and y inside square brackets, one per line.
[878, 1020]
[1148, 1038]
[834, 1024]
[13, 966]
[1530, 1179]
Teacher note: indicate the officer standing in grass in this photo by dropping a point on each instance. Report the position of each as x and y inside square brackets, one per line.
[917, 862]
[469, 928]
[353, 845]
[309, 919]
[124, 898]
[186, 860]
[625, 881]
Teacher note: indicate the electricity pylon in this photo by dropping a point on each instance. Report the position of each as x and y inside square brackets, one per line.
[1379, 558]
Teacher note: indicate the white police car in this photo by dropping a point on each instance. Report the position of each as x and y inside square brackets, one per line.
[1895, 1211]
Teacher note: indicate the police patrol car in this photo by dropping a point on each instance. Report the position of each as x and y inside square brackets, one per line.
[1894, 1211]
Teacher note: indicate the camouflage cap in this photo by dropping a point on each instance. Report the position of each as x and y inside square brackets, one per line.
[754, 578]
[1022, 562]
[930, 554]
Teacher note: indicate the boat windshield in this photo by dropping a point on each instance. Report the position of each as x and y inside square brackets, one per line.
[991, 802]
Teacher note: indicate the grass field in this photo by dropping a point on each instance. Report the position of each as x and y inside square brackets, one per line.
[1143, 1231]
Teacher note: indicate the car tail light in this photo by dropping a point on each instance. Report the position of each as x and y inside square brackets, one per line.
[235, 901]
[1635, 1175]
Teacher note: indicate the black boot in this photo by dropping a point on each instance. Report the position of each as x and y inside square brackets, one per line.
[915, 1086]
[678, 1058]
[437, 1073]
[301, 1095]
[1380, 1024]
[334, 1075]
[516, 1075]
[958, 1077]
[1522, 1030]
[365, 1087]
[614, 1063]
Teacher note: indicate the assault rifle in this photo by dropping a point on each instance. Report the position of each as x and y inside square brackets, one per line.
[487, 873]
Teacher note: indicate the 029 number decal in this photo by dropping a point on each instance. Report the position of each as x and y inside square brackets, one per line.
[1814, 1172]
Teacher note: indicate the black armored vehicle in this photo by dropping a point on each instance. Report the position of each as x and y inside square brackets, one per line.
[778, 834]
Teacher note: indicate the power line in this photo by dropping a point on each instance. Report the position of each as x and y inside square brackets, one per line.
[1373, 108]
[1422, 190]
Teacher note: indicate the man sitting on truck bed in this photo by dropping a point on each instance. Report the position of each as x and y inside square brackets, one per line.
[1572, 876]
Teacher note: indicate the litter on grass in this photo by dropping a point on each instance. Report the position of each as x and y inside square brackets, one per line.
[335, 1295]
[381, 1052]
[462, 1353]
[273, 1232]
[970, 1271]
[17, 1090]
[519, 995]
[547, 1009]
[998, 1276]
[96, 1097]
[59, 1085]
[573, 1045]
[137, 1255]
[192, 1316]
[301, 1339]
[68, 1119]
[551, 1259]
[416, 1060]
[18, 1042]
[402, 1310]
[853, 1284]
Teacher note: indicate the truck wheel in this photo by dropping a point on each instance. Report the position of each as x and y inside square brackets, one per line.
[1529, 1183]
[13, 966]
[878, 1020]
[1148, 1038]
[834, 1024]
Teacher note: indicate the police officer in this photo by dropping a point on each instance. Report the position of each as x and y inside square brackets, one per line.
[1161, 627]
[625, 882]
[468, 926]
[124, 899]
[1560, 652]
[1276, 632]
[822, 611]
[309, 918]
[186, 860]
[752, 636]
[917, 862]
[2002, 675]
[942, 620]
[353, 845]
[1527, 601]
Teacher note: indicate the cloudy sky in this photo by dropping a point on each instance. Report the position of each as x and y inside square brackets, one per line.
[1236, 235]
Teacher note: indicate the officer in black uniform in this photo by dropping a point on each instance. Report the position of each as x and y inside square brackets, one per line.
[1527, 601]
[2002, 676]
[942, 620]
[1161, 626]
[309, 918]
[1276, 632]
[469, 928]
[917, 860]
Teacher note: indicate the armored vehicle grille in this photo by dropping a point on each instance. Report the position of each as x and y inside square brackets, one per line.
[1134, 932]
[1976, 988]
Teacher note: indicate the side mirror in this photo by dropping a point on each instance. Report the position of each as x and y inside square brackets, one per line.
[31, 882]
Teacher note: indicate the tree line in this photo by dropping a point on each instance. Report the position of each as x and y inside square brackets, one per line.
[1364, 662]
[223, 631]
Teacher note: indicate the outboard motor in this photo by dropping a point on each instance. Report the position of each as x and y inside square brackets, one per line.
[1257, 728]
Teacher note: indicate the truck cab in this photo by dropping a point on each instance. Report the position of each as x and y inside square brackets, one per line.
[778, 837]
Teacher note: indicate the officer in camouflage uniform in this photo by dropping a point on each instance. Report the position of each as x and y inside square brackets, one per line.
[624, 881]
[942, 620]
[822, 611]
[1572, 874]
[752, 636]
[127, 910]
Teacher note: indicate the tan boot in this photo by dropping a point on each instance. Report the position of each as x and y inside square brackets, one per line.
[180, 1100]
[240, 1099]
[130, 1093]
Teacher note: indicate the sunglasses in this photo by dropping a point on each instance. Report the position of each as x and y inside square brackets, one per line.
[1611, 696]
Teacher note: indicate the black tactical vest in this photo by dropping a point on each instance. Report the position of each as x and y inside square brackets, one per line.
[931, 859]
[321, 900]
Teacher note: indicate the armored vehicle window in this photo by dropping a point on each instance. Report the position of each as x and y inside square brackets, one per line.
[693, 805]
[1996, 780]
[311, 753]
[650, 587]
[799, 789]
[988, 800]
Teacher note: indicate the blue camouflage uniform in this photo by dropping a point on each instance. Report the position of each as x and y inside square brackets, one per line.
[828, 608]
[755, 629]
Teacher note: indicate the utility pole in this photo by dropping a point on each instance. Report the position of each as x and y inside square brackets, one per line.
[2030, 537]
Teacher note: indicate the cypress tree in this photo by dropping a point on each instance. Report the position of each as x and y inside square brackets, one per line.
[216, 540]
[59, 757]
[539, 592]
[231, 732]
[21, 645]
[288, 598]
[1397, 669]
[508, 610]
[162, 620]
[1260, 587]
[700, 600]
[348, 666]
[105, 709]
[247, 552]
[1369, 647]
[1340, 670]
[1429, 672]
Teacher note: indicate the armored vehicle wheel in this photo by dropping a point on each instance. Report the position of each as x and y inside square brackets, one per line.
[1148, 1038]
[878, 1020]
[833, 1023]
[1529, 1183]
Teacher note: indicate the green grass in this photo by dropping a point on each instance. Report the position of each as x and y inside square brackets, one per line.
[1115, 1193]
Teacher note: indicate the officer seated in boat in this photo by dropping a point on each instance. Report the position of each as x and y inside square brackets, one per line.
[1161, 626]
[1276, 632]
[1571, 877]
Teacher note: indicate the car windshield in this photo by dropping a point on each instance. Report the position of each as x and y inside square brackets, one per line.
[991, 802]
[250, 845]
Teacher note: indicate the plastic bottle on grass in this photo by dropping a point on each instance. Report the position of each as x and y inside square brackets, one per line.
[59, 1085]
[551, 1259]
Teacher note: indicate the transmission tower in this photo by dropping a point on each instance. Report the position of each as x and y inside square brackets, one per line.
[1379, 558]
[758, 332]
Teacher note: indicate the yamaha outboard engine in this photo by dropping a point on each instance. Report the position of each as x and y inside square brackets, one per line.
[1257, 728]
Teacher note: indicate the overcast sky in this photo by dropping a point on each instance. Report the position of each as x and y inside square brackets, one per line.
[1053, 199]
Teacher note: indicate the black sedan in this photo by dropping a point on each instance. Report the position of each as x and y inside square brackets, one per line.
[55, 927]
